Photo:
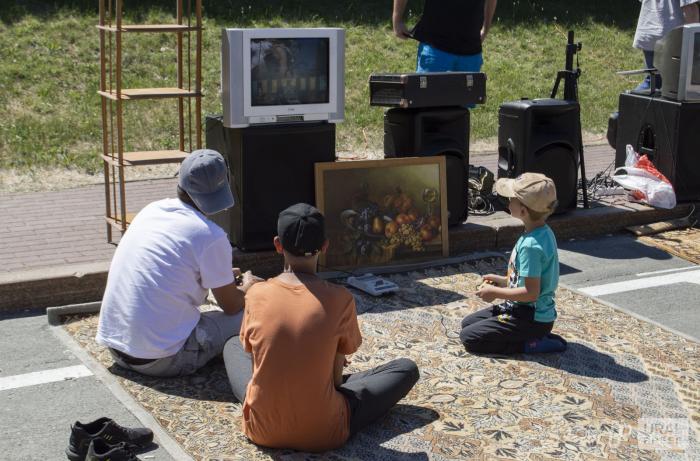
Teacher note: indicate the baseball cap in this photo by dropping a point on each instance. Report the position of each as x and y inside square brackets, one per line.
[204, 176]
[301, 229]
[535, 190]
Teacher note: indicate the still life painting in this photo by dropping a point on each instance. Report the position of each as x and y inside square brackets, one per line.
[383, 212]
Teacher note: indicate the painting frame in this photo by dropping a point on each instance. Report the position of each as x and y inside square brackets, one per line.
[338, 186]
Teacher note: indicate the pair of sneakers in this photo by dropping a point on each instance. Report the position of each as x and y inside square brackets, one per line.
[104, 439]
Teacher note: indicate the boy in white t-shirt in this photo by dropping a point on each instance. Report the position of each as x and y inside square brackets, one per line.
[166, 262]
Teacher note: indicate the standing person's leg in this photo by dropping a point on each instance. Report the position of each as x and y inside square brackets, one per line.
[239, 367]
[372, 393]
[649, 63]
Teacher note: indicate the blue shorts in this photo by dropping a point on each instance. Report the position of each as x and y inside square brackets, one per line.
[431, 59]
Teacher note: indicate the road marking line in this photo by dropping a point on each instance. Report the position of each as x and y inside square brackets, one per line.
[637, 284]
[43, 377]
[665, 271]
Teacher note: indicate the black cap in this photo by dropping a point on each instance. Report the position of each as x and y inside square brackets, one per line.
[301, 229]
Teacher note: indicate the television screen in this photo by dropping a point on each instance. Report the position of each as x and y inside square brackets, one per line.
[695, 75]
[287, 71]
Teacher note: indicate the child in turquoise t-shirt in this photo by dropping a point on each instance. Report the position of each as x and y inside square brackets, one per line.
[524, 321]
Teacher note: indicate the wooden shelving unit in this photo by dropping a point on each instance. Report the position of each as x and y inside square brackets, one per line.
[187, 29]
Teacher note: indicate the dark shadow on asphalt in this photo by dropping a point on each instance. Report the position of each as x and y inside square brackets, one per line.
[565, 269]
[581, 360]
[21, 314]
[614, 247]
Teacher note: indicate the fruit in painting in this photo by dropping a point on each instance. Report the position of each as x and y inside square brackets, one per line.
[391, 228]
[377, 225]
[434, 222]
[426, 233]
[402, 219]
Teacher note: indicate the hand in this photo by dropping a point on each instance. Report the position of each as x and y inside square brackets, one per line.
[400, 29]
[248, 280]
[484, 33]
[486, 292]
[237, 276]
[494, 279]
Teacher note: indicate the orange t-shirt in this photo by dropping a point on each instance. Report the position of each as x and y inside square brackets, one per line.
[294, 333]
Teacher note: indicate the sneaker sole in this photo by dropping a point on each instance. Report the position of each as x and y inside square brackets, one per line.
[73, 456]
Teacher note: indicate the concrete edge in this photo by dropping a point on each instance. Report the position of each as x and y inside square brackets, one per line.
[72, 270]
[103, 375]
[631, 313]
[54, 314]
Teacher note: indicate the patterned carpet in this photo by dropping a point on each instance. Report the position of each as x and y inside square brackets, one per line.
[595, 401]
[683, 243]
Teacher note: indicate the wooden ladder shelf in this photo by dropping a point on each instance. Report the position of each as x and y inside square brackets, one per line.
[187, 27]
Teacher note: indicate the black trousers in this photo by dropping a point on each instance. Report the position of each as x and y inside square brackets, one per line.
[370, 394]
[498, 330]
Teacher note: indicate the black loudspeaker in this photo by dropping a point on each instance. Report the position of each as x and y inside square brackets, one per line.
[272, 167]
[668, 132]
[542, 136]
[434, 131]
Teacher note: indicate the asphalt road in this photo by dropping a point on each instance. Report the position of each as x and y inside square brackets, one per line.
[638, 278]
[44, 388]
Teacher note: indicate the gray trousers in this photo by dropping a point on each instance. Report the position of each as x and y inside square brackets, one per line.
[204, 343]
[370, 394]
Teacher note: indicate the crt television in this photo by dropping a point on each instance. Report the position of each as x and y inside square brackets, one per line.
[677, 57]
[282, 75]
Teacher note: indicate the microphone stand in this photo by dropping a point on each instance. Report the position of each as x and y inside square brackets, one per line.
[570, 77]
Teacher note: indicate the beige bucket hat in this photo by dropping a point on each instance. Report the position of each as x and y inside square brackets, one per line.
[535, 190]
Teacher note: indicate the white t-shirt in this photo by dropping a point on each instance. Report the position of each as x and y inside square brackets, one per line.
[656, 19]
[164, 265]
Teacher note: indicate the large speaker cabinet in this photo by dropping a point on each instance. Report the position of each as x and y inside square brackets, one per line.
[272, 167]
[434, 131]
[668, 132]
[542, 136]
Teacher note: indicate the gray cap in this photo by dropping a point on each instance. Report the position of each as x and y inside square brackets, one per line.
[204, 176]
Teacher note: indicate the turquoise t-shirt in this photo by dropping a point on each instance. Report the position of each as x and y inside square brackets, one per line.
[535, 255]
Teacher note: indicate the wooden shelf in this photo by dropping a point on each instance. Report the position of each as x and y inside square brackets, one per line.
[147, 157]
[150, 28]
[117, 221]
[150, 93]
[186, 28]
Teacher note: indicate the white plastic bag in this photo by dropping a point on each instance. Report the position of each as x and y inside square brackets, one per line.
[644, 182]
[632, 157]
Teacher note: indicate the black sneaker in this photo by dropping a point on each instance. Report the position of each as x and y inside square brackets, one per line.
[99, 450]
[107, 429]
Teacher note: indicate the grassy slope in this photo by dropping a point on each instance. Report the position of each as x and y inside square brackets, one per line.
[49, 67]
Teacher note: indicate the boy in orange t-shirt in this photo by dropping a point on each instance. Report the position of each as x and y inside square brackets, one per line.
[298, 329]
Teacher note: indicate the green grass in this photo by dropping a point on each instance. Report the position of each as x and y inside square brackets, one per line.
[49, 68]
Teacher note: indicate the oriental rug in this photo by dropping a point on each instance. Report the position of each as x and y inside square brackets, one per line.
[624, 389]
